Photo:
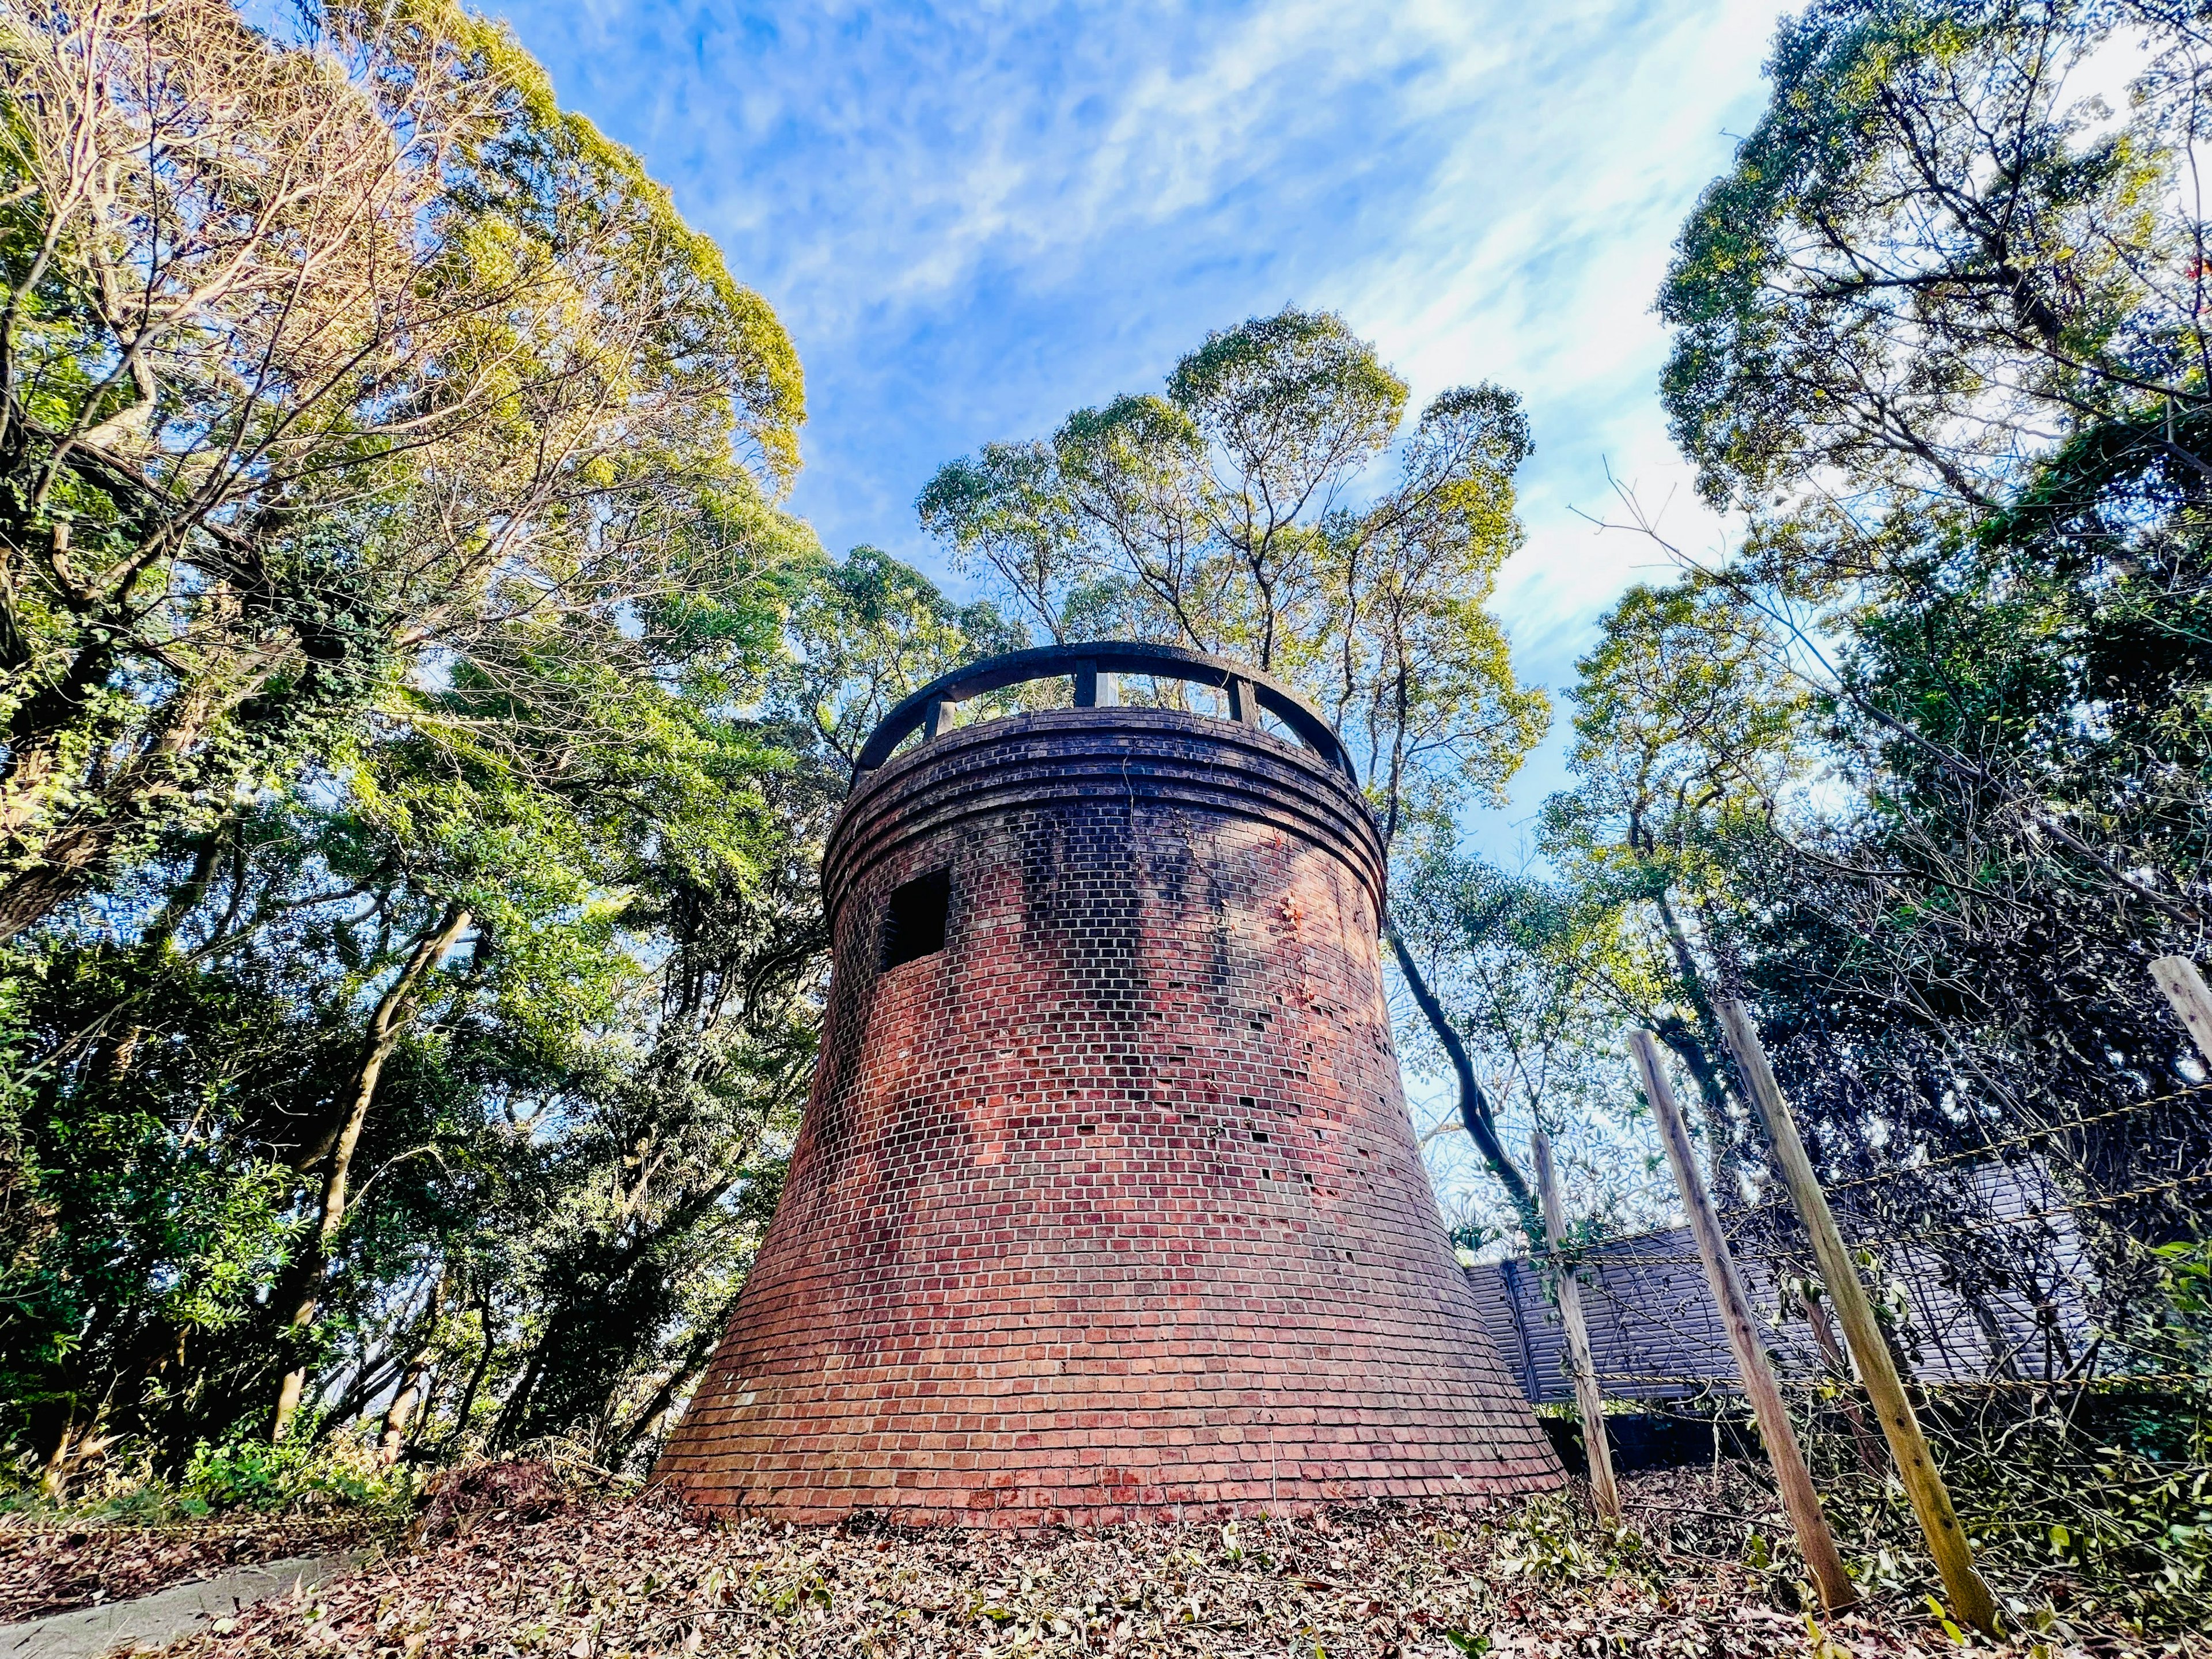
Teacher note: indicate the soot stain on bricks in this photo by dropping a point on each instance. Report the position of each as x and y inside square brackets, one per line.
[1108, 1206]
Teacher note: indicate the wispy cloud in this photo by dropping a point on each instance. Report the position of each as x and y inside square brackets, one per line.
[975, 218]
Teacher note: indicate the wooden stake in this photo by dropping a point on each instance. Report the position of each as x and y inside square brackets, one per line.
[2184, 988]
[1831, 1346]
[1795, 1481]
[1603, 1491]
[1915, 1467]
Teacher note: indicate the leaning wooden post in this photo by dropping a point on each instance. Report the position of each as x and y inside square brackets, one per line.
[1587, 1399]
[2184, 988]
[1790, 1474]
[1915, 1467]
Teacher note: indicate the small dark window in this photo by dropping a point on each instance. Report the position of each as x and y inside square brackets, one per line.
[914, 921]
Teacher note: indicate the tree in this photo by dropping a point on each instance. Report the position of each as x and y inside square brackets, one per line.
[1226, 515]
[394, 585]
[1537, 974]
[549, 1153]
[1929, 262]
[1688, 726]
[1929, 275]
[868, 631]
[1939, 339]
[1689, 732]
[1939, 332]
[321, 354]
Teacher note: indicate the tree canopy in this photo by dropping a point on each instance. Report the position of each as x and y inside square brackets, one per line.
[1918, 767]
[422, 720]
[327, 359]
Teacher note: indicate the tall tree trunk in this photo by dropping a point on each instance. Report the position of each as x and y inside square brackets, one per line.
[411, 1377]
[433, 1390]
[511, 1412]
[302, 1286]
[1473, 1105]
[467, 1407]
[1695, 1049]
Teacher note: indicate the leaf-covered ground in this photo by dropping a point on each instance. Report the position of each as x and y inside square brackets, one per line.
[597, 1577]
[48, 1568]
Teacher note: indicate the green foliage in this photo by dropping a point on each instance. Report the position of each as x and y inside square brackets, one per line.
[2094, 1506]
[1935, 336]
[1222, 516]
[1547, 1541]
[866, 631]
[1539, 976]
[1922, 771]
[1686, 721]
[418, 1024]
[576, 1136]
[498, 379]
[1928, 254]
[245, 1471]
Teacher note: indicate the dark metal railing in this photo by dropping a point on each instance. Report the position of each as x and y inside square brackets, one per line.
[1249, 692]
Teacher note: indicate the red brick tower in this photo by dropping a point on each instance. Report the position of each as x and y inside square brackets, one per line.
[1106, 1203]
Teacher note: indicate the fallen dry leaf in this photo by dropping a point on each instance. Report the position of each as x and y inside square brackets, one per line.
[617, 1578]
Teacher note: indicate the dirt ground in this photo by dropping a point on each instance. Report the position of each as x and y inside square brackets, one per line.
[590, 1576]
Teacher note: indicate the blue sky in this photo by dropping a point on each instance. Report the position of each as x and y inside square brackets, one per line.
[975, 218]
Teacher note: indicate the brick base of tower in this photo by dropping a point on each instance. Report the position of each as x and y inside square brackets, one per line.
[1111, 1207]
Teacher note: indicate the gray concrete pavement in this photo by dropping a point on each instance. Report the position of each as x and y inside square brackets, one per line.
[151, 1621]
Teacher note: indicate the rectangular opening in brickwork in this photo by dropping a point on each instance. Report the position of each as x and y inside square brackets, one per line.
[914, 921]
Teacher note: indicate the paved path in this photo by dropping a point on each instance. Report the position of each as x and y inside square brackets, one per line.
[152, 1620]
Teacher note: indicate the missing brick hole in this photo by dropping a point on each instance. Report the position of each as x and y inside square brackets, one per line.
[913, 919]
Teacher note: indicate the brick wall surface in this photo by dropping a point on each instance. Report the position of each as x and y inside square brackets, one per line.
[1111, 1207]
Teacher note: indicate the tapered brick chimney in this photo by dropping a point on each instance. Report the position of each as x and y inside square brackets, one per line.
[1106, 1203]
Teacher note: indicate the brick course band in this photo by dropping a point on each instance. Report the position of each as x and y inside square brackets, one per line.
[1110, 1207]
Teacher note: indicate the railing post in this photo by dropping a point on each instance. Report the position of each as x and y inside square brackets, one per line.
[1588, 1400]
[1086, 684]
[2184, 988]
[932, 722]
[1916, 1465]
[1243, 705]
[1790, 1474]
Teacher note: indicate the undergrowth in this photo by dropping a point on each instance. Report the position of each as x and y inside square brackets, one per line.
[244, 1474]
